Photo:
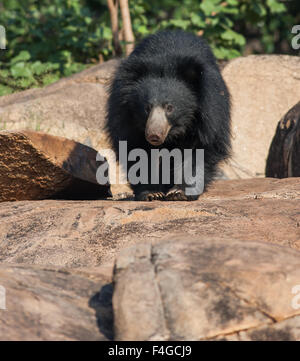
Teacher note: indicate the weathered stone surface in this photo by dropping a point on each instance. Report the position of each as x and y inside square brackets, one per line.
[35, 165]
[284, 154]
[89, 233]
[73, 107]
[56, 261]
[100, 74]
[203, 288]
[263, 89]
[48, 303]
[75, 111]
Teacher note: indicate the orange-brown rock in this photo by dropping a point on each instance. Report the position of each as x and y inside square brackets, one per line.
[88, 233]
[49, 303]
[204, 288]
[36, 165]
[210, 269]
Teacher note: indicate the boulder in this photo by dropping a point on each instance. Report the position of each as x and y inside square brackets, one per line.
[263, 89]
[36, 165]
[89, 233]
[284, 154]
[100, 73]
[206, 288]
[175, 279]
[48, 303]
[73, 107]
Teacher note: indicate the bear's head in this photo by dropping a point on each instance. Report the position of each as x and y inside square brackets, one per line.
[163, 108]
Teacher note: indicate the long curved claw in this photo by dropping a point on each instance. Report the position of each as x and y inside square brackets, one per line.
[176, 194]
[150, 196]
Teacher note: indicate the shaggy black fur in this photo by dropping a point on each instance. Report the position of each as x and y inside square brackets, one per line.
[177, 71]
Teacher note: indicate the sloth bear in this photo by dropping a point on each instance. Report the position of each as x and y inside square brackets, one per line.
[169, 93]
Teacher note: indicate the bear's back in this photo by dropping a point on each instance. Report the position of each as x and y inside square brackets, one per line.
[173, 43]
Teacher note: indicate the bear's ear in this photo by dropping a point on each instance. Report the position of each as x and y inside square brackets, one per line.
[190, 70]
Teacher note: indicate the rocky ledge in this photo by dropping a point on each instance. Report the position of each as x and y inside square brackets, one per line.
[223, 267]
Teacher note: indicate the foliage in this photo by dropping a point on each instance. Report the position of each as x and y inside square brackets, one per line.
[225, 24]
[50, 39]
[53, 38]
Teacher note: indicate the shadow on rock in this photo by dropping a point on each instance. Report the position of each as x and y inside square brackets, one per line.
[101, 302]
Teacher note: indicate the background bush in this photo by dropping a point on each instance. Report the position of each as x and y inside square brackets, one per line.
[50, 39]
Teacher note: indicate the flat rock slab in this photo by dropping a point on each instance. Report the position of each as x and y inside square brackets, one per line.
[201, 288]
[35, 165]
[89, 233]
[48, 303]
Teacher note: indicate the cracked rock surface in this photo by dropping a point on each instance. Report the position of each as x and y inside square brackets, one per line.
[52, 303]
[201, 288]
[223, 267]
[89, 233]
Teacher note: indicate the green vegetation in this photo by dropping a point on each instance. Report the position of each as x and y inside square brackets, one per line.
[50, 39]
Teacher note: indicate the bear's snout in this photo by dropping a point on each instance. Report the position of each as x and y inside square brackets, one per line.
[157, 127]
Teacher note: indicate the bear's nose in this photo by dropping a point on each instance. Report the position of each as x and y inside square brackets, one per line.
[157, 127]
[155, 139]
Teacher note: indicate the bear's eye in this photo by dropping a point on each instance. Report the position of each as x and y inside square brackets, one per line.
[169, 108]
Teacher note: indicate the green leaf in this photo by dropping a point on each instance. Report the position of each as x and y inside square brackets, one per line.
[142, 29]
[179, 23]
[38, 68]
[197, 20]
[232, 2]
[21, 70]
[5, 90]
[259, 9]
[24, 55]
[208, 6]
[223, 53]
[233, 36]
[275, 6]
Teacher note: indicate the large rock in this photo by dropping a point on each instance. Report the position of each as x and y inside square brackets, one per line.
[206, 288]
[36, 165]
[74, 110]
[284, 154]
[100, 74]
[263, 89]
[73, 107]
[48, 303]
[89, 233]
[56, 261]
